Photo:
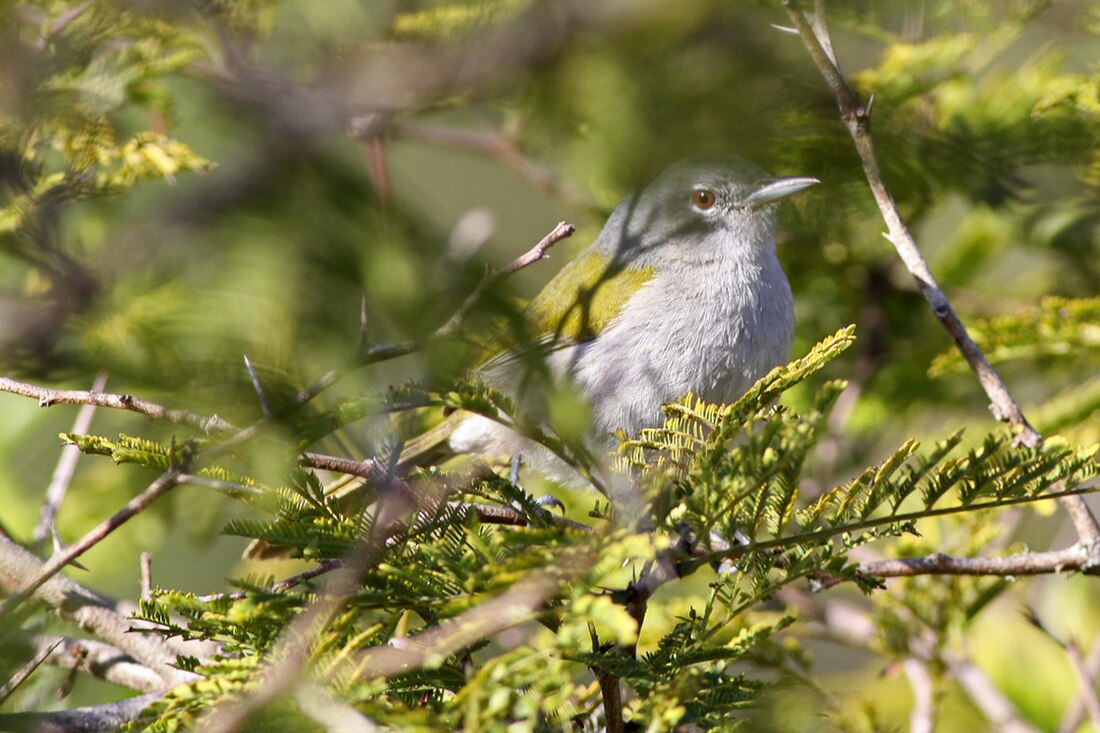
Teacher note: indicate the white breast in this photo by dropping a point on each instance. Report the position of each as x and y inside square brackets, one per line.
[711, 329]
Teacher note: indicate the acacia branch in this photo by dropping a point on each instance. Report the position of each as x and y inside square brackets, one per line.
[857, 118]
[561, 230]
[1075, 557]
[323, 567]
[49, 397]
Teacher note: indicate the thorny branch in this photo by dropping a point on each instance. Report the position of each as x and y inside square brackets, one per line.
[856, 116]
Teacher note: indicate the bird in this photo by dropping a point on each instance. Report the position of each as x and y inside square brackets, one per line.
[682, 292]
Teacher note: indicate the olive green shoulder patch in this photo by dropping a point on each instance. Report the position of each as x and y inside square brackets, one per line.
[584, 297]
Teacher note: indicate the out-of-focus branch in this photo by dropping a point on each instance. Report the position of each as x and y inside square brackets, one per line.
[161, 486]
[90, 612]
[856, 116]
[1083, 703]
[66, 467]
[21, 674]
[1086, 680]
[369, 354]
[495, 144]
[334, 716]
[100, 660]
[980, 689]
[172, 477]
[922, 718]
[106, 718]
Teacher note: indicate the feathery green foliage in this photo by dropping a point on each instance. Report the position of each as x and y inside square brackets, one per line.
[722, 485]
[116, 257]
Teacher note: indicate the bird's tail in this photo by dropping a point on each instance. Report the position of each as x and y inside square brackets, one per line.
[430, 448]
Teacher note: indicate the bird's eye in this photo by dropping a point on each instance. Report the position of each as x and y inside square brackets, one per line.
[703, 199]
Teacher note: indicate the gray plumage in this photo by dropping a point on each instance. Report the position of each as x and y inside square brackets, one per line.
[715, 315]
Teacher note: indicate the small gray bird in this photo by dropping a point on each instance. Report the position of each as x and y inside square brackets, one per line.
[681, 292]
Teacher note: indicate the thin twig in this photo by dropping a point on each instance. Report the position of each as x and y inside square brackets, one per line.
[26, 670]
[258, 386]
[857, 118]
[66, 467]
[369, 355]
[372, 468]
[922, 718]
[325, 566]
[1077, 557]
[1086, 680]
[49, 397]
[161, 486]
[146, 576]
[172, 478]
[561, 231]
[1075, 713]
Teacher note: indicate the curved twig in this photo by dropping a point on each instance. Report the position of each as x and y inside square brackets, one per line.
[856, 116]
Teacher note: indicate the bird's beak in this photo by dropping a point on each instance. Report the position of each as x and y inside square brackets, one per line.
[777, 189]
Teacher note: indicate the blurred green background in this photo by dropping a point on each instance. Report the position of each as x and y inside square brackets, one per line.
[164, 266]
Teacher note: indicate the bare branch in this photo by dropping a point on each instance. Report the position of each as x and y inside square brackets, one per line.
[50, 397]
[172, 478]
[66, 466]
[1071, 558]
[563, 230]
[1086, 680]
[325, 566]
